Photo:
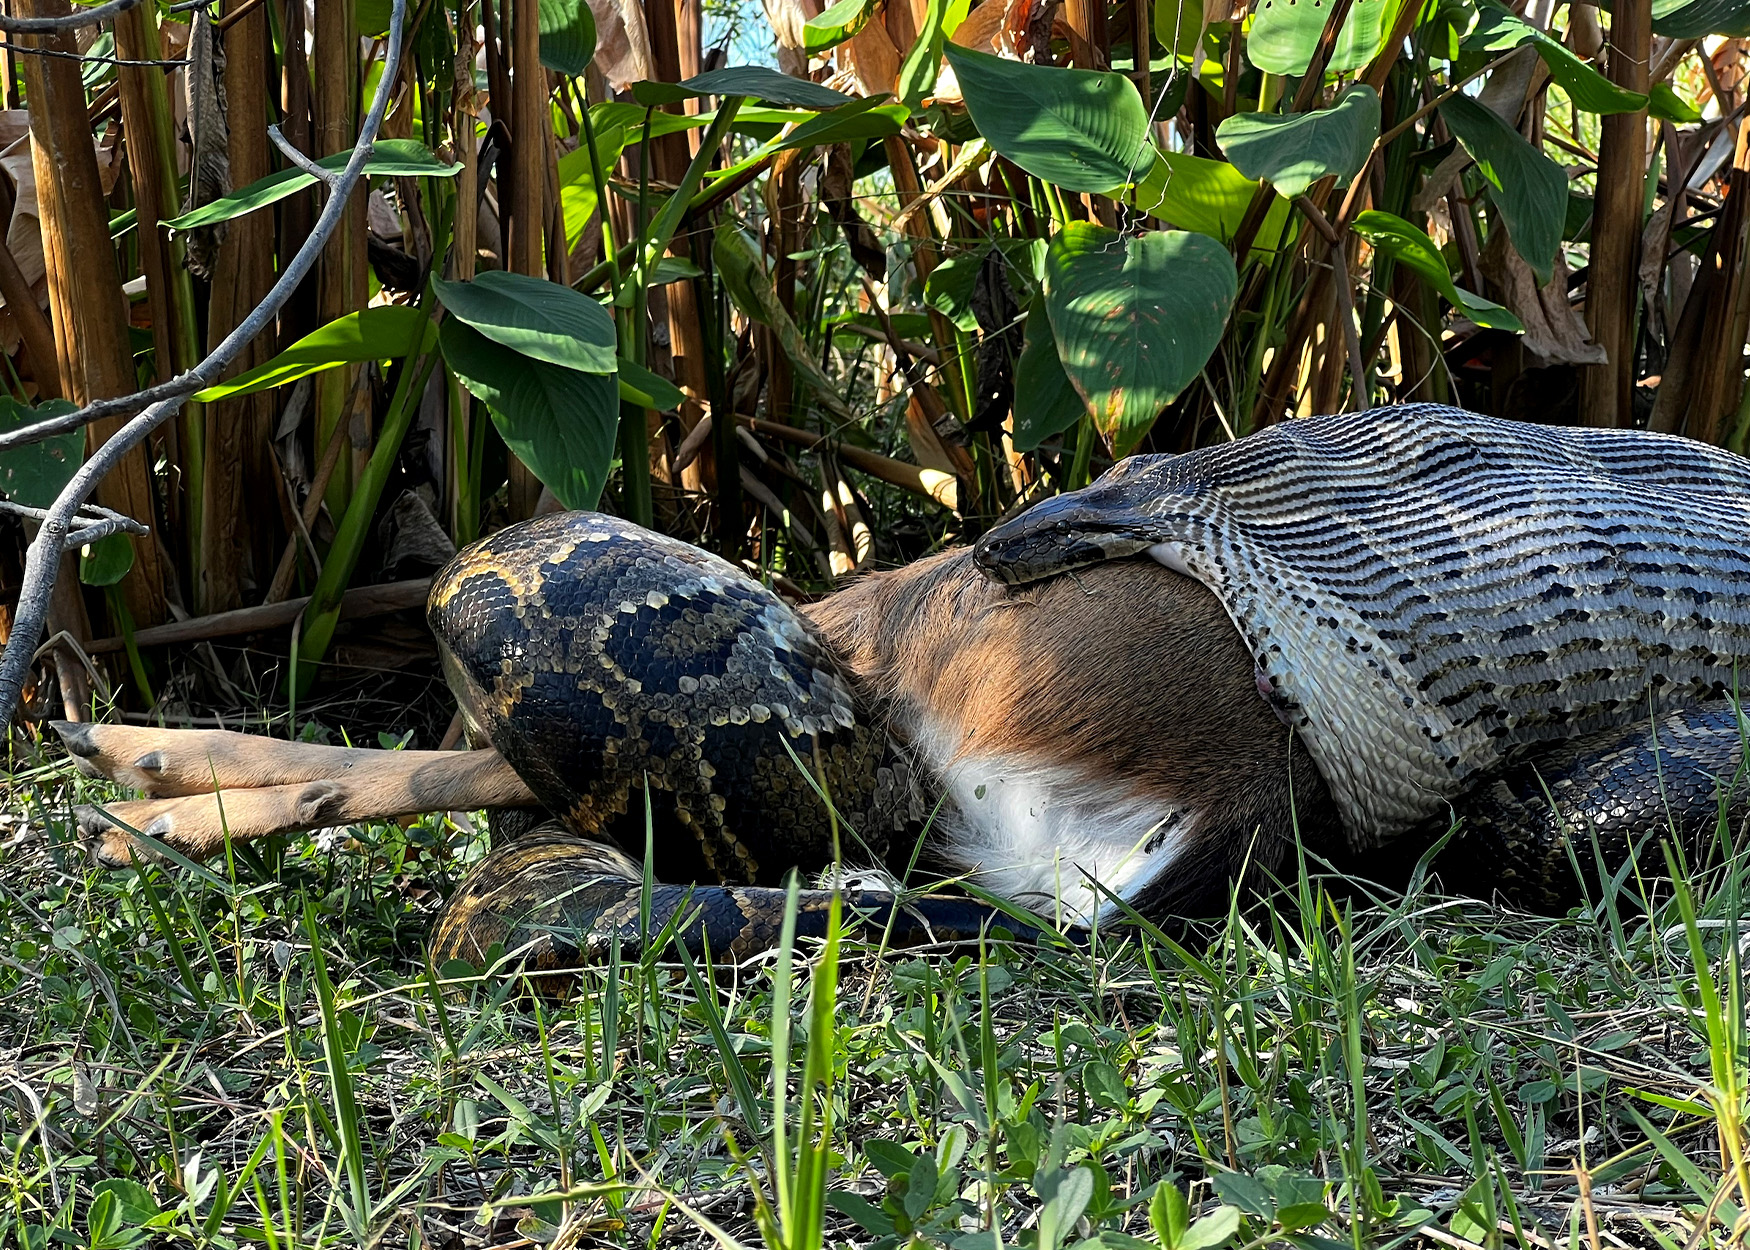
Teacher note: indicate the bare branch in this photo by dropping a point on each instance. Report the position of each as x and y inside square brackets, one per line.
[329, 177]
[95, 521]
[67, 21]
[44, 558]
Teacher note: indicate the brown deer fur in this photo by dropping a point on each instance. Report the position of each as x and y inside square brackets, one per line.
[1127, 674]
[1127, 682]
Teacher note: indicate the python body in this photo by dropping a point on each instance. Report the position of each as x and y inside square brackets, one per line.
[1533, 629]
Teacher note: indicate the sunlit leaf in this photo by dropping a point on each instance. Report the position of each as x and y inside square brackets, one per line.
[1136, 318]
[1413, 249]
[381, 333]
[1291, 151]
[560, 422]
[1285, 33]
[1209, 197]
[390, 158]
[1530, 189]
[1498, 30]
[540, 319]
[829, 29]
[756, 82]
[1081, 130]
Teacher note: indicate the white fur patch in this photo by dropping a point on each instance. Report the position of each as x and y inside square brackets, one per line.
[1036, 832]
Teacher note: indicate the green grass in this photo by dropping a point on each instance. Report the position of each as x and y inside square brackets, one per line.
[259, 1055]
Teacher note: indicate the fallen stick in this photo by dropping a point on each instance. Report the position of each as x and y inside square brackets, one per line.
[357, 602]
[931, 483]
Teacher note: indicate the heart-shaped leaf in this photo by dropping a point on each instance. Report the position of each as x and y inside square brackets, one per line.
[1291, 151]
[1082, 130]
[537, 318]
[1046, 401]
[1135, 318]
[567, 36]
[390, 158]
[381, 333]
[1285, 34]
[756, 82]
[1530, 189]
[1497, 30]
[1413, 249]
[36, 473]
[560, 422]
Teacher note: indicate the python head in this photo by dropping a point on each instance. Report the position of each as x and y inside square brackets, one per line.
[1114, 517]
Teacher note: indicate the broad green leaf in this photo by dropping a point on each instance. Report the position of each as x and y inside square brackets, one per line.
[1285, 33]
[134, 1202]
[1498, 30]
[35, 474]
[567, 36]
[917, 72]
[756, 82]
[922, 64]
[380, 333]
[1082, 130]
[1169, 1215]
[860, 119]
[1209, 197]
[537, 318]
[577, 194]
[390, 158]
[738, 263]
[629, 119]
[371, 17]
[648, 390]
[1413, 249]
[1183, 21]
[1678, 19]
[1291, 151]
[950, 286]
[1666, 104]
[106, 561]
[840, 22]
[1530, 189]
[560, 422]
[1135, 319]
[1212, 1230]
[1046, 402]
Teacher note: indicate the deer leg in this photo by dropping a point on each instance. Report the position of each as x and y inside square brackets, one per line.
[372, 785]
[163, 763]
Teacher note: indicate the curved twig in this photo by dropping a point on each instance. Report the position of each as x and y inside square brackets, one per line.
[67, 21]
[44, 558]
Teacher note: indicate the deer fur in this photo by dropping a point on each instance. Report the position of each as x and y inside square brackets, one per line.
[1106, 724]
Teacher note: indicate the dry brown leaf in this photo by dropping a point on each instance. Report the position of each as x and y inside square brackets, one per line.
[1554, 329]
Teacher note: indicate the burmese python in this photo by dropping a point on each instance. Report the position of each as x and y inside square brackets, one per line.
[635, 681]
[1453, 613]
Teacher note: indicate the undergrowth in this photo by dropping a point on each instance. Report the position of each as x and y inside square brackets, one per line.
[257, 1053]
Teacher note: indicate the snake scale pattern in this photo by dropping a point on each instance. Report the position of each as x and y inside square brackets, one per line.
[1529, 627]
[635, 681]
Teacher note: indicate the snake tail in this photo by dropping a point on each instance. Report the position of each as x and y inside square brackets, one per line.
[555, 902]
